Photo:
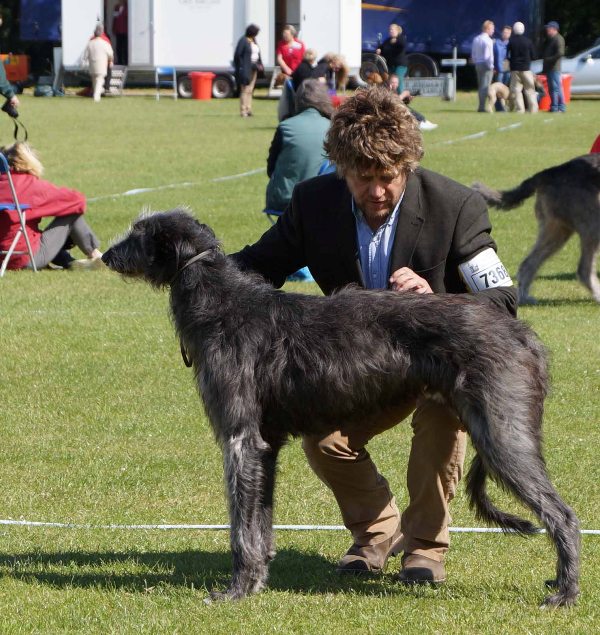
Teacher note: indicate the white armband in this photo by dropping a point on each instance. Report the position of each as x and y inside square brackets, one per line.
[484, 271]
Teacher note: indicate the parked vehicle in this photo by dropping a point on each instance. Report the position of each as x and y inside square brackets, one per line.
[434, 27]
[584, 69]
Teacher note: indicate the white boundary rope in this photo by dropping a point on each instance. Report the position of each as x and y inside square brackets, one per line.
[32, 523]
[172, 186]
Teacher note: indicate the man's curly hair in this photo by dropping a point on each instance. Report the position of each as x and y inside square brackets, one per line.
[374, 129]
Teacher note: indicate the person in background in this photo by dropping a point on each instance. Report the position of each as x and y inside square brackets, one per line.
[553, 52]
[46, 200]
[393, 50]
[120, 29]
[521, 53]
[482, 53]
[406, 97]
[99, 55]
[246, 61]
[384, 222]
[305, 68]
[290, 51]
[501, 65]
[6, 88]
[296, 152]
[332, 70]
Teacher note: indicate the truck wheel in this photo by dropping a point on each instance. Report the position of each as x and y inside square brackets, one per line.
[184, 86]
[222, 87]
[420, 65]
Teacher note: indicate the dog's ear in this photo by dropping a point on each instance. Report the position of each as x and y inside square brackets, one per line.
[207, 229]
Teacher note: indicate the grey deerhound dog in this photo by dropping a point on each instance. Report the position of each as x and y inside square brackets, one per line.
[567, 202]
[270, 364]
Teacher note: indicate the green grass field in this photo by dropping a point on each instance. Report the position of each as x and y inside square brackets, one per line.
[101, 423]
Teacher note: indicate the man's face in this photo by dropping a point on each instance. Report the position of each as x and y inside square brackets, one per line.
[506, 34]
[375, 192]
[551, 31]
[490, 30]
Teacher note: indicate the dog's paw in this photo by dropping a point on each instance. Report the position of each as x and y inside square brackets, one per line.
[559, 600]
[527, 300]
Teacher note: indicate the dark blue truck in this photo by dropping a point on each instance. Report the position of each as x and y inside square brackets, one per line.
[434, 27]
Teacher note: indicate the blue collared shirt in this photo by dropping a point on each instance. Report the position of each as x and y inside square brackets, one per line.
[375, 247]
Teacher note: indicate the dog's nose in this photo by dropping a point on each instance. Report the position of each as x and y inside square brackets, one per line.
[106, 257]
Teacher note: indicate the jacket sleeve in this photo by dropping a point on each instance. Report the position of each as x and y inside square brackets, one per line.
[6, 88]
[47, 199]
[472, 236]
[278, 253]
[274, 151]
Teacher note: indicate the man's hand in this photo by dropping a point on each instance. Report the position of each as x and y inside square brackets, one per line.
[406, 279]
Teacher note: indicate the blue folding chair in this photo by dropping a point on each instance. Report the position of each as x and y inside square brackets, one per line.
[165, 77]
[14, 206]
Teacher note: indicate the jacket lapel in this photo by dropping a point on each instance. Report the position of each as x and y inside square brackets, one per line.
[346, 233]
[410, 223]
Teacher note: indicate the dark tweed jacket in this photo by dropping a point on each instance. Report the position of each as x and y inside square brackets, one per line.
[441, 224]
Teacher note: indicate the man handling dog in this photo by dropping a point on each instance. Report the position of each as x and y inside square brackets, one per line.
[384, 222]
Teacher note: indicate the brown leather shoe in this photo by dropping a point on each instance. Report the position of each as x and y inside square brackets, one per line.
[370, 559]
[417, 569]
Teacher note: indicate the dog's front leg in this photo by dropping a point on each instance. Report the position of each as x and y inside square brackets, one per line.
[249, 473]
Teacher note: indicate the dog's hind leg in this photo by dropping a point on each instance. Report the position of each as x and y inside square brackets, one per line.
[552, 235]
[250, 475]
[586, 270]
[513, 458]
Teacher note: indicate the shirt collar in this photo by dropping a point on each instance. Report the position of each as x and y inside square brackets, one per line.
[360, 217]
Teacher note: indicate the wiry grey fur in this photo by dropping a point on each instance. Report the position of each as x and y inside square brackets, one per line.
[567, 202]
[270, 364]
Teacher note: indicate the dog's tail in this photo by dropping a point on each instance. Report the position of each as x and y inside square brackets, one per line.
[510, 198]
[485, 510]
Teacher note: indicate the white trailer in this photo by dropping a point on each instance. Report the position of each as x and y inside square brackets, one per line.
[201, 35]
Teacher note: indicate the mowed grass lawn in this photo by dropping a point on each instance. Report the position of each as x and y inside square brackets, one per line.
[101, 423]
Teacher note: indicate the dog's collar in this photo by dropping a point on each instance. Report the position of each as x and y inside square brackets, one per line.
[191, 261]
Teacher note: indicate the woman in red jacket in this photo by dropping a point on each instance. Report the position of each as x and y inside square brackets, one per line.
[45, 199]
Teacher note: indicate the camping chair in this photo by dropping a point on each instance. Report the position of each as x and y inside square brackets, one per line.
[14, 205]
[165, 77]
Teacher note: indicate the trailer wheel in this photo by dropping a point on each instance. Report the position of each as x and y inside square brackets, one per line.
[222, 87]
[420, 65]
[184, 86]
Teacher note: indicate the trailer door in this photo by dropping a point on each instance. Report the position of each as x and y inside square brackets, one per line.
[332, 27]
[141, 33]
[79, 19]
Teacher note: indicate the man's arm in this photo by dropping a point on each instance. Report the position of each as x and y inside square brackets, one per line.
[470, 263]
[278, 252]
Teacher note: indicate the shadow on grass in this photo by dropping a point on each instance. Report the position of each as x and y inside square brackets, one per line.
[140, 572]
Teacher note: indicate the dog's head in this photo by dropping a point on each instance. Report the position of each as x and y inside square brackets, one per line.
[158, 245]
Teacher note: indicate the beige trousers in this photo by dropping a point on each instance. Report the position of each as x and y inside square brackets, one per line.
[98, 85]
[246, 95]
[367, 505]
[523, 82]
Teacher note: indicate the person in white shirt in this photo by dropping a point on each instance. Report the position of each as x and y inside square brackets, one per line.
[99, 55]
[482, 54]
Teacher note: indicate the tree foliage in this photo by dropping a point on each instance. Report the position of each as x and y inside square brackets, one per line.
[579, 22]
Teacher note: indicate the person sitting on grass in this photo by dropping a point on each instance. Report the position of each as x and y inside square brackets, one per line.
[45, 200]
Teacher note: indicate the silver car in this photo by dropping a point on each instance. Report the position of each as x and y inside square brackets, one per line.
[584, 69]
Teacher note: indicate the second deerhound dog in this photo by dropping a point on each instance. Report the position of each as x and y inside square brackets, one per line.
[270, 364]
[567, 203]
